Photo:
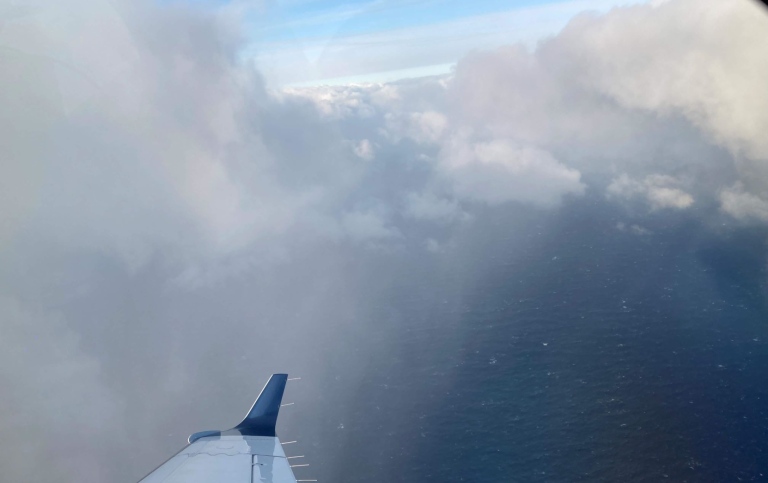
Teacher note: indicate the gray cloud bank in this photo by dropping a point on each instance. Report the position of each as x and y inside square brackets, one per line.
[163, 213]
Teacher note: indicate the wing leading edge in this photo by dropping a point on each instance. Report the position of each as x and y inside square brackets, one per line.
[249, 452]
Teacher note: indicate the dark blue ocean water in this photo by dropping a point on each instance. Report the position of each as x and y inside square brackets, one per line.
[561, 348]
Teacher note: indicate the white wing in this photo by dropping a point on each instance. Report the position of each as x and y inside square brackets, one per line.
[230, 459]
[248, 453]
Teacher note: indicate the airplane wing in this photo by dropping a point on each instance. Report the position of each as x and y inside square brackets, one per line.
[248, 453]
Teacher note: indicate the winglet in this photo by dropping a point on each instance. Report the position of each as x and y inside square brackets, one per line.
[262, 418]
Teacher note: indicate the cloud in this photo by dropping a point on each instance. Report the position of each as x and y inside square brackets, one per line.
[742, 205]
[187, 152]
[367, 226]
[499, 171]
[596, 99]
[131, 121]
[706, 68]
[364, 150]
[634, 229]
[658, 190]
[50, 387]
[337, 103]
[471, 164]
[428, 206]
[423, 127]
[146, 133]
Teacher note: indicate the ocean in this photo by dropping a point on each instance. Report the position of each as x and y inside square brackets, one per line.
[589, 345]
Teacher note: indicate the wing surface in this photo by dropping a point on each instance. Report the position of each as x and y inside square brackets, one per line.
[248, 453]
[227, 458]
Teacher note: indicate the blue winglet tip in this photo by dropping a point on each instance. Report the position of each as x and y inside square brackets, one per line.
[262, 417]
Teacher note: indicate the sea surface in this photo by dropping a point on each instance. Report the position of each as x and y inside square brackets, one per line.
[568, 348]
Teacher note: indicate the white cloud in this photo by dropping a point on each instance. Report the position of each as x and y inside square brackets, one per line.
[661, 197]
[337, 102]
[186, 151]
[641, 89]
[141, 132]
[634, 229]
[428, 206]
[364, 150]
[367, 226]
[700, 59]
[743, 205]
[500, 171]
[51, 389]
[625, 187]
[659, 191]
[423, 127]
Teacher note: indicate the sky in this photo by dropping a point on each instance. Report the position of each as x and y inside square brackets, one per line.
[318, 42]
[177, 222]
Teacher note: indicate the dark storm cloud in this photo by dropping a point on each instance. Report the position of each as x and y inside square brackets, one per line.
[171, 232]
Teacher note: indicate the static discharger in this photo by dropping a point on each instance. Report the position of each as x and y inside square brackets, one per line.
[290, 442]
